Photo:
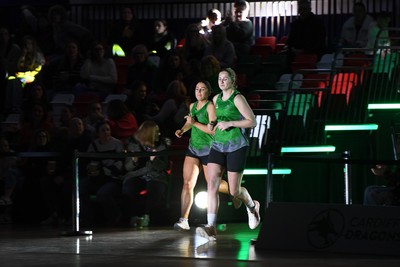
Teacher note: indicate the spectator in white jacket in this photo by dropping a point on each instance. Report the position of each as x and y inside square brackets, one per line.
[355, 29]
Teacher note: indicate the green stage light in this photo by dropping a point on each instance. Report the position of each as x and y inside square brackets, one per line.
[301, 149]
[265, 171]
[352, 127]
[384, 106]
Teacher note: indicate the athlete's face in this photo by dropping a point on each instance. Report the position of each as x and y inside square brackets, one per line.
[201, 91]
[224, 81]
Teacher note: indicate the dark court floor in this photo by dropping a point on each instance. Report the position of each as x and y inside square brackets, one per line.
[158, 246]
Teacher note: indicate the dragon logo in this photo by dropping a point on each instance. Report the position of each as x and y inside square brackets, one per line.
[325, 228]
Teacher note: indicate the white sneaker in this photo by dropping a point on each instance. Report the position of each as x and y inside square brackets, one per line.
[182, 225]
[254, 217]
[207, 232]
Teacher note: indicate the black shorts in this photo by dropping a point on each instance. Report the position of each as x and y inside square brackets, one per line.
[203, 159]
[233, 161]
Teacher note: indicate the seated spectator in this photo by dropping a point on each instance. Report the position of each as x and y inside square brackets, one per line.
[31, 55]
[103, 178]
[142, 68]
[67, 113]
[378, 38]
[67, 70]
[193, 75]
[173, 67]
[126, 32]
[57, 186]
[163, 40]
[34, 93]
[388, 194]
[173, 110]
[35, 169]
[146, 173]
[355, 29]
[379, 27]
[139, 103]
[210, 68]
[99, 72]
[44, 36]
[9, 54]
[307, 33]
[122, 122]
[38, 119]
[11, 176]
[94, 115]
[31, 59]
[239, 28]
[221, 48]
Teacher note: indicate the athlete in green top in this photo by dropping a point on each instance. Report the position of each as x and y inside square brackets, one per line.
[228, 152]
[201, 113]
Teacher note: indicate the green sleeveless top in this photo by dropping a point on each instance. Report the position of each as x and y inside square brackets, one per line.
[233, 138]
[200, 142]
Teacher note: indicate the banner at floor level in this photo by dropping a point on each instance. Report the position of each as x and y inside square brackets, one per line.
[331, 228]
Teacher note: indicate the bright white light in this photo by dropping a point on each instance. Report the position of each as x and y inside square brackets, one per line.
[201, 200]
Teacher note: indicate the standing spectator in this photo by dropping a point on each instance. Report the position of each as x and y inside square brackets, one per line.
[163, 40]
[355, 29]
[221, 48]
[239, 28]
[65, 30]
[126, 31]
[195, 43]
[214, 17]
[307, 33]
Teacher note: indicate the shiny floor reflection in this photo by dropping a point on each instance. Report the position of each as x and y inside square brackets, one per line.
[163, 246]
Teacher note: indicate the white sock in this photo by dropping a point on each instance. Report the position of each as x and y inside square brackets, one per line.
[251, 208]
[184, 219]
[211, 219]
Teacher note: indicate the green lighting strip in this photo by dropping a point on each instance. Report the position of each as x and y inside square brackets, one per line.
[265, 171]
[352, 127]
[384, 106]
[300, 149]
